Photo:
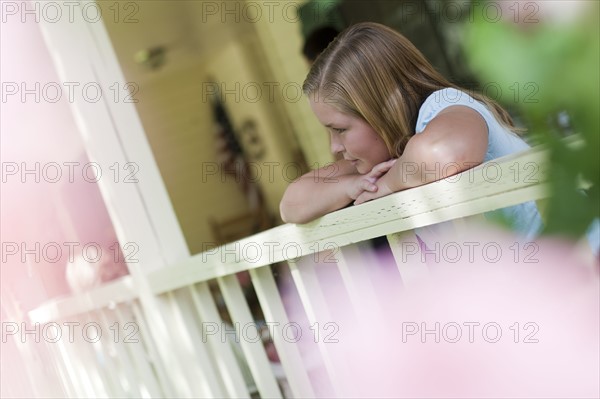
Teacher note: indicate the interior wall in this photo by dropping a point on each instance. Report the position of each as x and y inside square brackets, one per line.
[180, 129]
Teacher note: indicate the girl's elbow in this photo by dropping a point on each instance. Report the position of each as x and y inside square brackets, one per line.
[285, 207]
[283, 212]
[287, 214]
[291, 213]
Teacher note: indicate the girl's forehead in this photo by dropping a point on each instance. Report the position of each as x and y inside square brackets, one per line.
[325, 101]
[326, 110]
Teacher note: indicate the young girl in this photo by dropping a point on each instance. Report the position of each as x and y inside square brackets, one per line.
[384, 106]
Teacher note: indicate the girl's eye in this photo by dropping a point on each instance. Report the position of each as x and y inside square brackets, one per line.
[338, 130]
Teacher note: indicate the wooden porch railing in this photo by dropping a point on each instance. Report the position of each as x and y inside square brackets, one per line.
[172, 314]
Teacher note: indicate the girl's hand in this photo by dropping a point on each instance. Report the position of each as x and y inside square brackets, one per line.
[360, 184]
[378, 188]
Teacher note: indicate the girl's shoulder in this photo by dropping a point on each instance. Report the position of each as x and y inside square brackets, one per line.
[501, 141]
[444, 98]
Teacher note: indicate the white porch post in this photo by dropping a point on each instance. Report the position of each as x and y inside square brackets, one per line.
[141, 211]
[138, 204]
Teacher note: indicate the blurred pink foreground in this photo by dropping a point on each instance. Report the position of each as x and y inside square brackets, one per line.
[524, 324]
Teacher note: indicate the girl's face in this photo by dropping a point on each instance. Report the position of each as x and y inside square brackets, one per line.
[352, 137]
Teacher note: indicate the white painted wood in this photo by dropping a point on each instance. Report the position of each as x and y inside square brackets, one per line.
[76, 368]
[117, 291]
[404, 246]
[113, 137]
[180, 337]
[199, 360]
[274, 311]
[100, 356]
[172, 340]
[315, 306]
[354, 268]
[31, 356]
[137, 350]
[87, 355]
[412, 260]
[112, 341]
[52, 357]
[140, 211]
[71, 372]
[34, 379]
[107, 383]
[221, 351]
[253, 350]
[131, 135]
[153, 354]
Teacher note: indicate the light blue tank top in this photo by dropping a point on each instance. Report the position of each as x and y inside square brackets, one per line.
[524, 218]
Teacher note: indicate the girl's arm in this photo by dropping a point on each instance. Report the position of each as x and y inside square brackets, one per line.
[454, 141]
[326, 190]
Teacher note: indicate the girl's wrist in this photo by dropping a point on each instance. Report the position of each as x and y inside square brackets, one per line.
[392, 179]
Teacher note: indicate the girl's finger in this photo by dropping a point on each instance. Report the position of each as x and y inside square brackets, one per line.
[378, 170]
[385, 166]
[367, 186]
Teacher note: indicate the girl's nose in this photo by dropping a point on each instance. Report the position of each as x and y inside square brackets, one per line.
[336, 143]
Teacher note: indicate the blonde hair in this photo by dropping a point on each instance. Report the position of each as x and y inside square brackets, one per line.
[373, 72]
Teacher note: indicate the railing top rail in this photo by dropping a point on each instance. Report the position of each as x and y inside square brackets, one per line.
[109, 294]
[487, 187]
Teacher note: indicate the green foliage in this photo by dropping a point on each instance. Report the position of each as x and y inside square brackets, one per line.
[563, 60]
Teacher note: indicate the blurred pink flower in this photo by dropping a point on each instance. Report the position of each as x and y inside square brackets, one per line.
[523, 324]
